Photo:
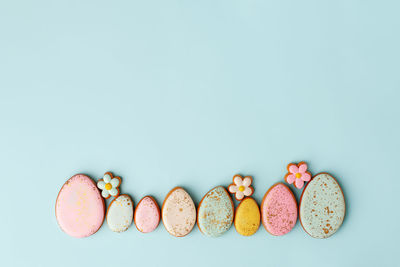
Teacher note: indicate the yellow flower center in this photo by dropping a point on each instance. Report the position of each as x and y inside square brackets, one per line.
[298, 175]
[241, 188]
[108, 186]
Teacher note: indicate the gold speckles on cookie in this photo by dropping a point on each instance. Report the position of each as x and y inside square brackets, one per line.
[322, 206]
[215, 214]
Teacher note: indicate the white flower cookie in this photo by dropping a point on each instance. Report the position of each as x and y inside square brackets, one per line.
[241, 187]
[109, 185]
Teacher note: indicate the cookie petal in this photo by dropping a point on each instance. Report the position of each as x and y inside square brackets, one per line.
[113, 192]
[299, 183]
[306, 177]
[233, 188]
[101, 184]
[290, 178]
[239, 195]
[107, 178]
[105, 193]
[246, 181]
[238, 180]
[248, 191]
[293, 168]
[115, 182]
[303, 168]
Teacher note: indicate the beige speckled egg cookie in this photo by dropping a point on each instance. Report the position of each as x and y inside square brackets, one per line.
[178, 212]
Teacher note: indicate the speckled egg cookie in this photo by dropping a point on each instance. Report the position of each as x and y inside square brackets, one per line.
[322, 206]
[120, 214]
[178, 212]
[215, 213]
[147, 215]
[279, 210]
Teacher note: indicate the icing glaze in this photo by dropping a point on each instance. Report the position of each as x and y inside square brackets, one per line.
[178, 212]
[279, 210]
[247, 217]
[109, 185]
[241, 187]
[297, 174]
[215, 213]
[147, 215]
[322, 206]
[79, 207]
[120, 214]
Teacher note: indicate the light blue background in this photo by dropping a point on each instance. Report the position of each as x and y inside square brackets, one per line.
[168, 93]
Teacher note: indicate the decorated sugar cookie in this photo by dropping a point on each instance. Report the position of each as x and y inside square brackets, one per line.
[80, 207]
[247, 217]
[279, 210]
[147, 215]
[241, 187]
[215, 212]
[297, 174]
[322, 206]
[247, 214]
[178, 212]
[109, 185]
[120, 213]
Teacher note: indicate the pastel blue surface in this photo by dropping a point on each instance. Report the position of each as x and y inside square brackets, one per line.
[189, 93]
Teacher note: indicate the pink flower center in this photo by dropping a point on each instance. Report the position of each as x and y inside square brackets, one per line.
[298, 175]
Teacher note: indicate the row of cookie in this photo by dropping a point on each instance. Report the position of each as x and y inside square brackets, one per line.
[80, 209]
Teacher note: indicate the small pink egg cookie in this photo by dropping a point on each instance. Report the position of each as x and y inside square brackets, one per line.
[279, 210]
[147, 215]
[79, 207]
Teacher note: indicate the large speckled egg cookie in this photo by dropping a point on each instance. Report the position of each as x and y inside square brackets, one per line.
[79, 207]
[215, 213]
[178, 212]
[322, 206]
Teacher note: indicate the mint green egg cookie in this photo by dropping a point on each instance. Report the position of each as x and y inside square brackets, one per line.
[215, 212]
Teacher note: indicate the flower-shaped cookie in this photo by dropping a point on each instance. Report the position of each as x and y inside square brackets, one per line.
[109, 185]
[241, 187]
[297, 174]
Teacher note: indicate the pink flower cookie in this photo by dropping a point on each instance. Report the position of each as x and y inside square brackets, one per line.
[297, 174]
[241, 187]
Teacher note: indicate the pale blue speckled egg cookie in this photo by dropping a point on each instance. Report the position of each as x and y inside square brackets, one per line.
[215, 212]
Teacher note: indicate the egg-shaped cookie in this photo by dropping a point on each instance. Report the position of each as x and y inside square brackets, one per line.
[120, 214]
[178, 212]
[322, 206]
[79, 207]
[247, 217]
[147, 215]
[279, 210]
[215, 212]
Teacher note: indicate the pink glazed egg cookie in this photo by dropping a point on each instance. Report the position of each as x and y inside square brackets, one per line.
[147, 215]
[279, 210]
[79, 207]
